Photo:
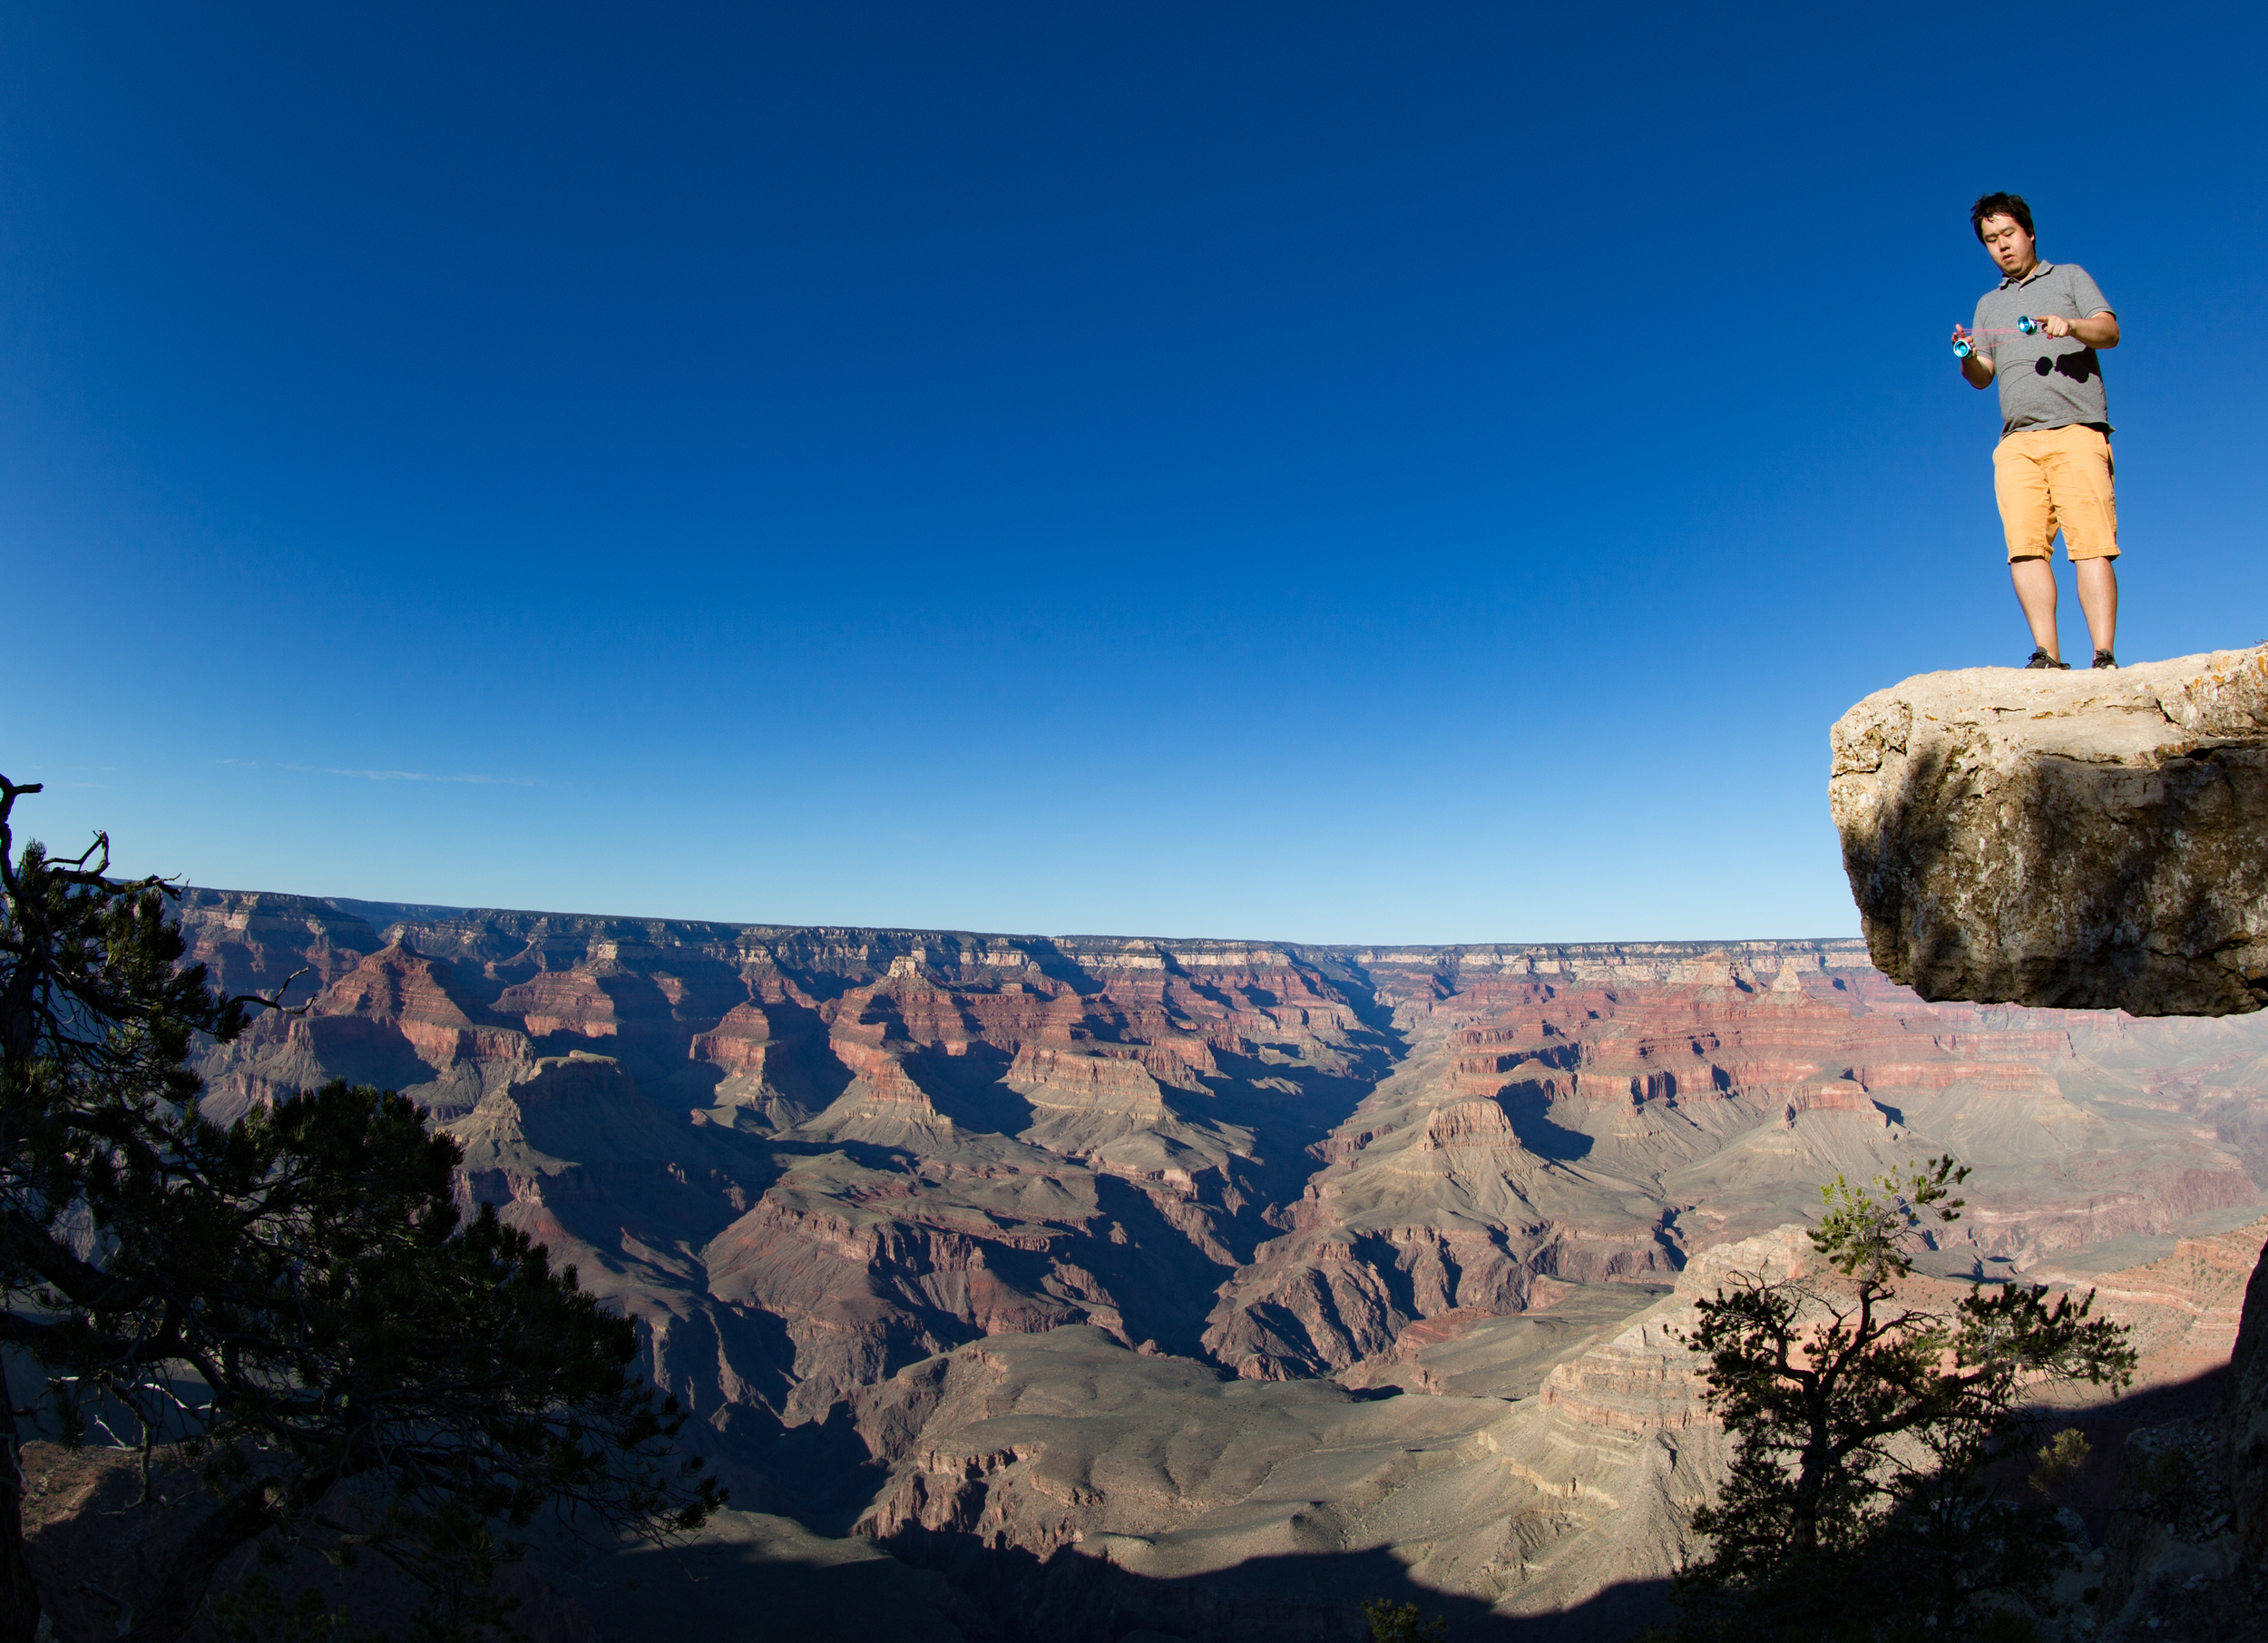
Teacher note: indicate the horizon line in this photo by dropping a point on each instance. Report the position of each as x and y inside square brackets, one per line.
[350, 903]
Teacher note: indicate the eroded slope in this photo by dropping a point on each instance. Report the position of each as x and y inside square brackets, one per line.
[1118, 1188]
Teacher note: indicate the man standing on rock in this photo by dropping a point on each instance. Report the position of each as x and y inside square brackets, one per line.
[2036, 334]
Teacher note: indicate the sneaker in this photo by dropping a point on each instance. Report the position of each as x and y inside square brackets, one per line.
[2040, 658]
[2104, 659]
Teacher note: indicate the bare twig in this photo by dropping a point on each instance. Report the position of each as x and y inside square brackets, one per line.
[274, 1000]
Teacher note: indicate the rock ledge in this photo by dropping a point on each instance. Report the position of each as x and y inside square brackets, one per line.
[2083, 840]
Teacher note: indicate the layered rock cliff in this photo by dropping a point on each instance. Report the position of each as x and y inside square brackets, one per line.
[1085, 1489]
[1214, 1174]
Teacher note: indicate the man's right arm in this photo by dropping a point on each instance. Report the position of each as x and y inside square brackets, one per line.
[1974, 366]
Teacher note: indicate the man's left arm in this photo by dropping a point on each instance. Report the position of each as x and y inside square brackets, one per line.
[2099, 329]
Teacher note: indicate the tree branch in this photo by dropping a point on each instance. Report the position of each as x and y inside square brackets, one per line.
[243, 1516]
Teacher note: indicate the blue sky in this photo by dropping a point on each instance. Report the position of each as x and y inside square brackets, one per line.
[1328, 471]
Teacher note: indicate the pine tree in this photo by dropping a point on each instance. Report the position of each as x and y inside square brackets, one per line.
[293, 1299]
[1865, 1433]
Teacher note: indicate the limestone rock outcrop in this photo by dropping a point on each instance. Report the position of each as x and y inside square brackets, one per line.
[2073, 839]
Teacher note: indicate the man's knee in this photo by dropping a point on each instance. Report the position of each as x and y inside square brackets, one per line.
[2028, 531]
[2091, 526]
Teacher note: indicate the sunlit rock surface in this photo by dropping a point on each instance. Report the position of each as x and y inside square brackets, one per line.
[2077, 839]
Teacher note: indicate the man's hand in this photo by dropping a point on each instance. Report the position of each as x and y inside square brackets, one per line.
[1974, 366]
[2097, 331]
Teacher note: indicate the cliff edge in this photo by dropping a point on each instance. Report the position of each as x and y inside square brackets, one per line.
[2088, 840]
[2081, 840]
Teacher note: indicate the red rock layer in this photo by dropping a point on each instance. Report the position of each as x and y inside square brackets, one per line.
[804, 1159]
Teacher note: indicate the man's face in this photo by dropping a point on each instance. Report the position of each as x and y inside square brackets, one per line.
[2010, 246]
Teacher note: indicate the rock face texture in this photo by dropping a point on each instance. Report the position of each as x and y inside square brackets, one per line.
[2184, 1309]
[99, 1548]
[2077, 840]
[2188, 1553]
[1080, 1487]
[2246, 1434]
[1088, 1488]
[869, 1193]
[2085, 839]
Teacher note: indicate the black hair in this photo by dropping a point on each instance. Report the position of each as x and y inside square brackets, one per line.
[2001, 205]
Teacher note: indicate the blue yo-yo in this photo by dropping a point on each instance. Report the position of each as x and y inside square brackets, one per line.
[2026, 323]
[1963, 348]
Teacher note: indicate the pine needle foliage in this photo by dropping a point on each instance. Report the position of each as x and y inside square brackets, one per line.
[1863, 1501]
[1401, 1623]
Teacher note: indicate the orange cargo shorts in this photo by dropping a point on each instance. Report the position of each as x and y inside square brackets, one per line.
[2051, 479]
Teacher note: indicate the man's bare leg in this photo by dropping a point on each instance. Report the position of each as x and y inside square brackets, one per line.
[2099, 597]
[2035, 581]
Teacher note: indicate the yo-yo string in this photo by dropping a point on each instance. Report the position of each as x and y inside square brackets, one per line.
[2030, 327]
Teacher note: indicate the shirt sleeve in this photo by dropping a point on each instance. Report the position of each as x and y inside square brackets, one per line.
[1977, 339]
[2087, 297]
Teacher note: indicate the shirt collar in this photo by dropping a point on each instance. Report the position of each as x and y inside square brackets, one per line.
[2038, 269]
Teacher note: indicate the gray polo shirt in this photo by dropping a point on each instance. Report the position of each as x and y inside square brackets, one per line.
[2045, 382]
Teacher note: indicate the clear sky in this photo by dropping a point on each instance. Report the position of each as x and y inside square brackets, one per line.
[1319, 471]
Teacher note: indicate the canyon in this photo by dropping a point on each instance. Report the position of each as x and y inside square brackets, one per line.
[1210, 1286]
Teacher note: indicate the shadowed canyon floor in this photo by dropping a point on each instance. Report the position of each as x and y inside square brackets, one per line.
[1208, 1287]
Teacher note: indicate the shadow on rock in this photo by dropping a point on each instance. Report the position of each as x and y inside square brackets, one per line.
[2064, 841]
[1079, 1592]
